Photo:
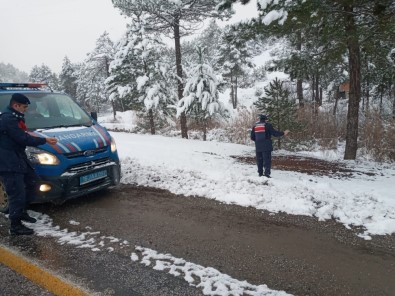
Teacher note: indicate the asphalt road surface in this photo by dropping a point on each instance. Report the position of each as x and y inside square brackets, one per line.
[297, 254]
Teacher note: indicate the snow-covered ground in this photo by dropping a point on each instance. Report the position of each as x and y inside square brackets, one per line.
[207, 169]
[193, 167]
[210, 280]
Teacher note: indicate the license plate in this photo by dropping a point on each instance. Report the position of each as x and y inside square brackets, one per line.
[93, 177]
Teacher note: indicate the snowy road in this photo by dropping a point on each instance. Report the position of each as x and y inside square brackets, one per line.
[144, 241]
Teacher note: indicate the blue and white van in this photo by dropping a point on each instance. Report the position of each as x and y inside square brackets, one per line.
[85, 158]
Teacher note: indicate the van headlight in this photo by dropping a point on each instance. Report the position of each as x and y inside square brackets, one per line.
[39, 156]
[113, 145]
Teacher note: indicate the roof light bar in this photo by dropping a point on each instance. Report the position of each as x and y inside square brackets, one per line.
[23, 85]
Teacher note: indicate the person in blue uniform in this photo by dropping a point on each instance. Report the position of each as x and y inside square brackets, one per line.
[16, 172]
[261, 134]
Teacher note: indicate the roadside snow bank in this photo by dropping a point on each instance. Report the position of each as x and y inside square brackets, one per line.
[192, 167]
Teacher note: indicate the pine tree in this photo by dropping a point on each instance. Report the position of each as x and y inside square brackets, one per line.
[200, 99]
[210, 40]
[344, 26]
[276, 103]
[378, 73]
[8, 73]
[139, 75]
[152, 83]
[126, 67]
[68, 78]
[124, 70]
[93, 72]
[176, 19]
[234, 56]
[44, 74]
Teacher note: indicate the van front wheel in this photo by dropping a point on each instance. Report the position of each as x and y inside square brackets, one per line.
[3, 199]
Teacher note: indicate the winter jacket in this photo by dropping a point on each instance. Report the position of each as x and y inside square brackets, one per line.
[13, 142]
[262, 133]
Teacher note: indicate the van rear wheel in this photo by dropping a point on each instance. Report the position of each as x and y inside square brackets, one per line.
[3, 199]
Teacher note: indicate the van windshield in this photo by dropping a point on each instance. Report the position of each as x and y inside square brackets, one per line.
[49, 110]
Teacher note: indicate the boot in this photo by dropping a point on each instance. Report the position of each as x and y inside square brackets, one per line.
[25, 217]
[20, 229]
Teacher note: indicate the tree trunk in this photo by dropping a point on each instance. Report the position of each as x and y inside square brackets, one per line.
[114, 112]
[235, 94]
[365, 102]
[151, 121]
[180, 84]
[107, 66]
[204, 129]
[381, 100]
[321, 91]
[313, 89]
[315, 96]
[299, 91]
[355, 85]
[337, 97]
[122, 105]
[299, 82]
[393, 104]
[317, 91]
[232, 92]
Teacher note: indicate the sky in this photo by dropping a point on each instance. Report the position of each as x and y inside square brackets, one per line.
[45, 31]
[36, 32]
[207, 169]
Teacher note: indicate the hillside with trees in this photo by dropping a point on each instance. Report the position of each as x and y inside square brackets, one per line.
[323, 69]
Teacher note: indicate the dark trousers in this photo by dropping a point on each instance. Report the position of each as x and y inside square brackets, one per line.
[264, 161]
[21, 190]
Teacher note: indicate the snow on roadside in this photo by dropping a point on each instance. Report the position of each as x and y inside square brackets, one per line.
[192, 167]
[210, 280]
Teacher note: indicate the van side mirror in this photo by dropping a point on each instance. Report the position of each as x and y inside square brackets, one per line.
[94, 115]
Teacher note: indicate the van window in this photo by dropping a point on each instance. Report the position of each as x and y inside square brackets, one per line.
[49, 110]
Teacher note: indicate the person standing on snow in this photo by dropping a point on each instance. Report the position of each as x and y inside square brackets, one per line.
[16, 171]
[261, 134]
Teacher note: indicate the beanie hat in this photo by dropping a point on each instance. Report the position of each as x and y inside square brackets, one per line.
[263, 117]
[20, 98]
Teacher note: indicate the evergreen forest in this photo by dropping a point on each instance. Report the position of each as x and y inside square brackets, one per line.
[324, 69]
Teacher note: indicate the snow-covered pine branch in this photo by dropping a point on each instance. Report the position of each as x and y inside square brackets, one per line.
[200, 92]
